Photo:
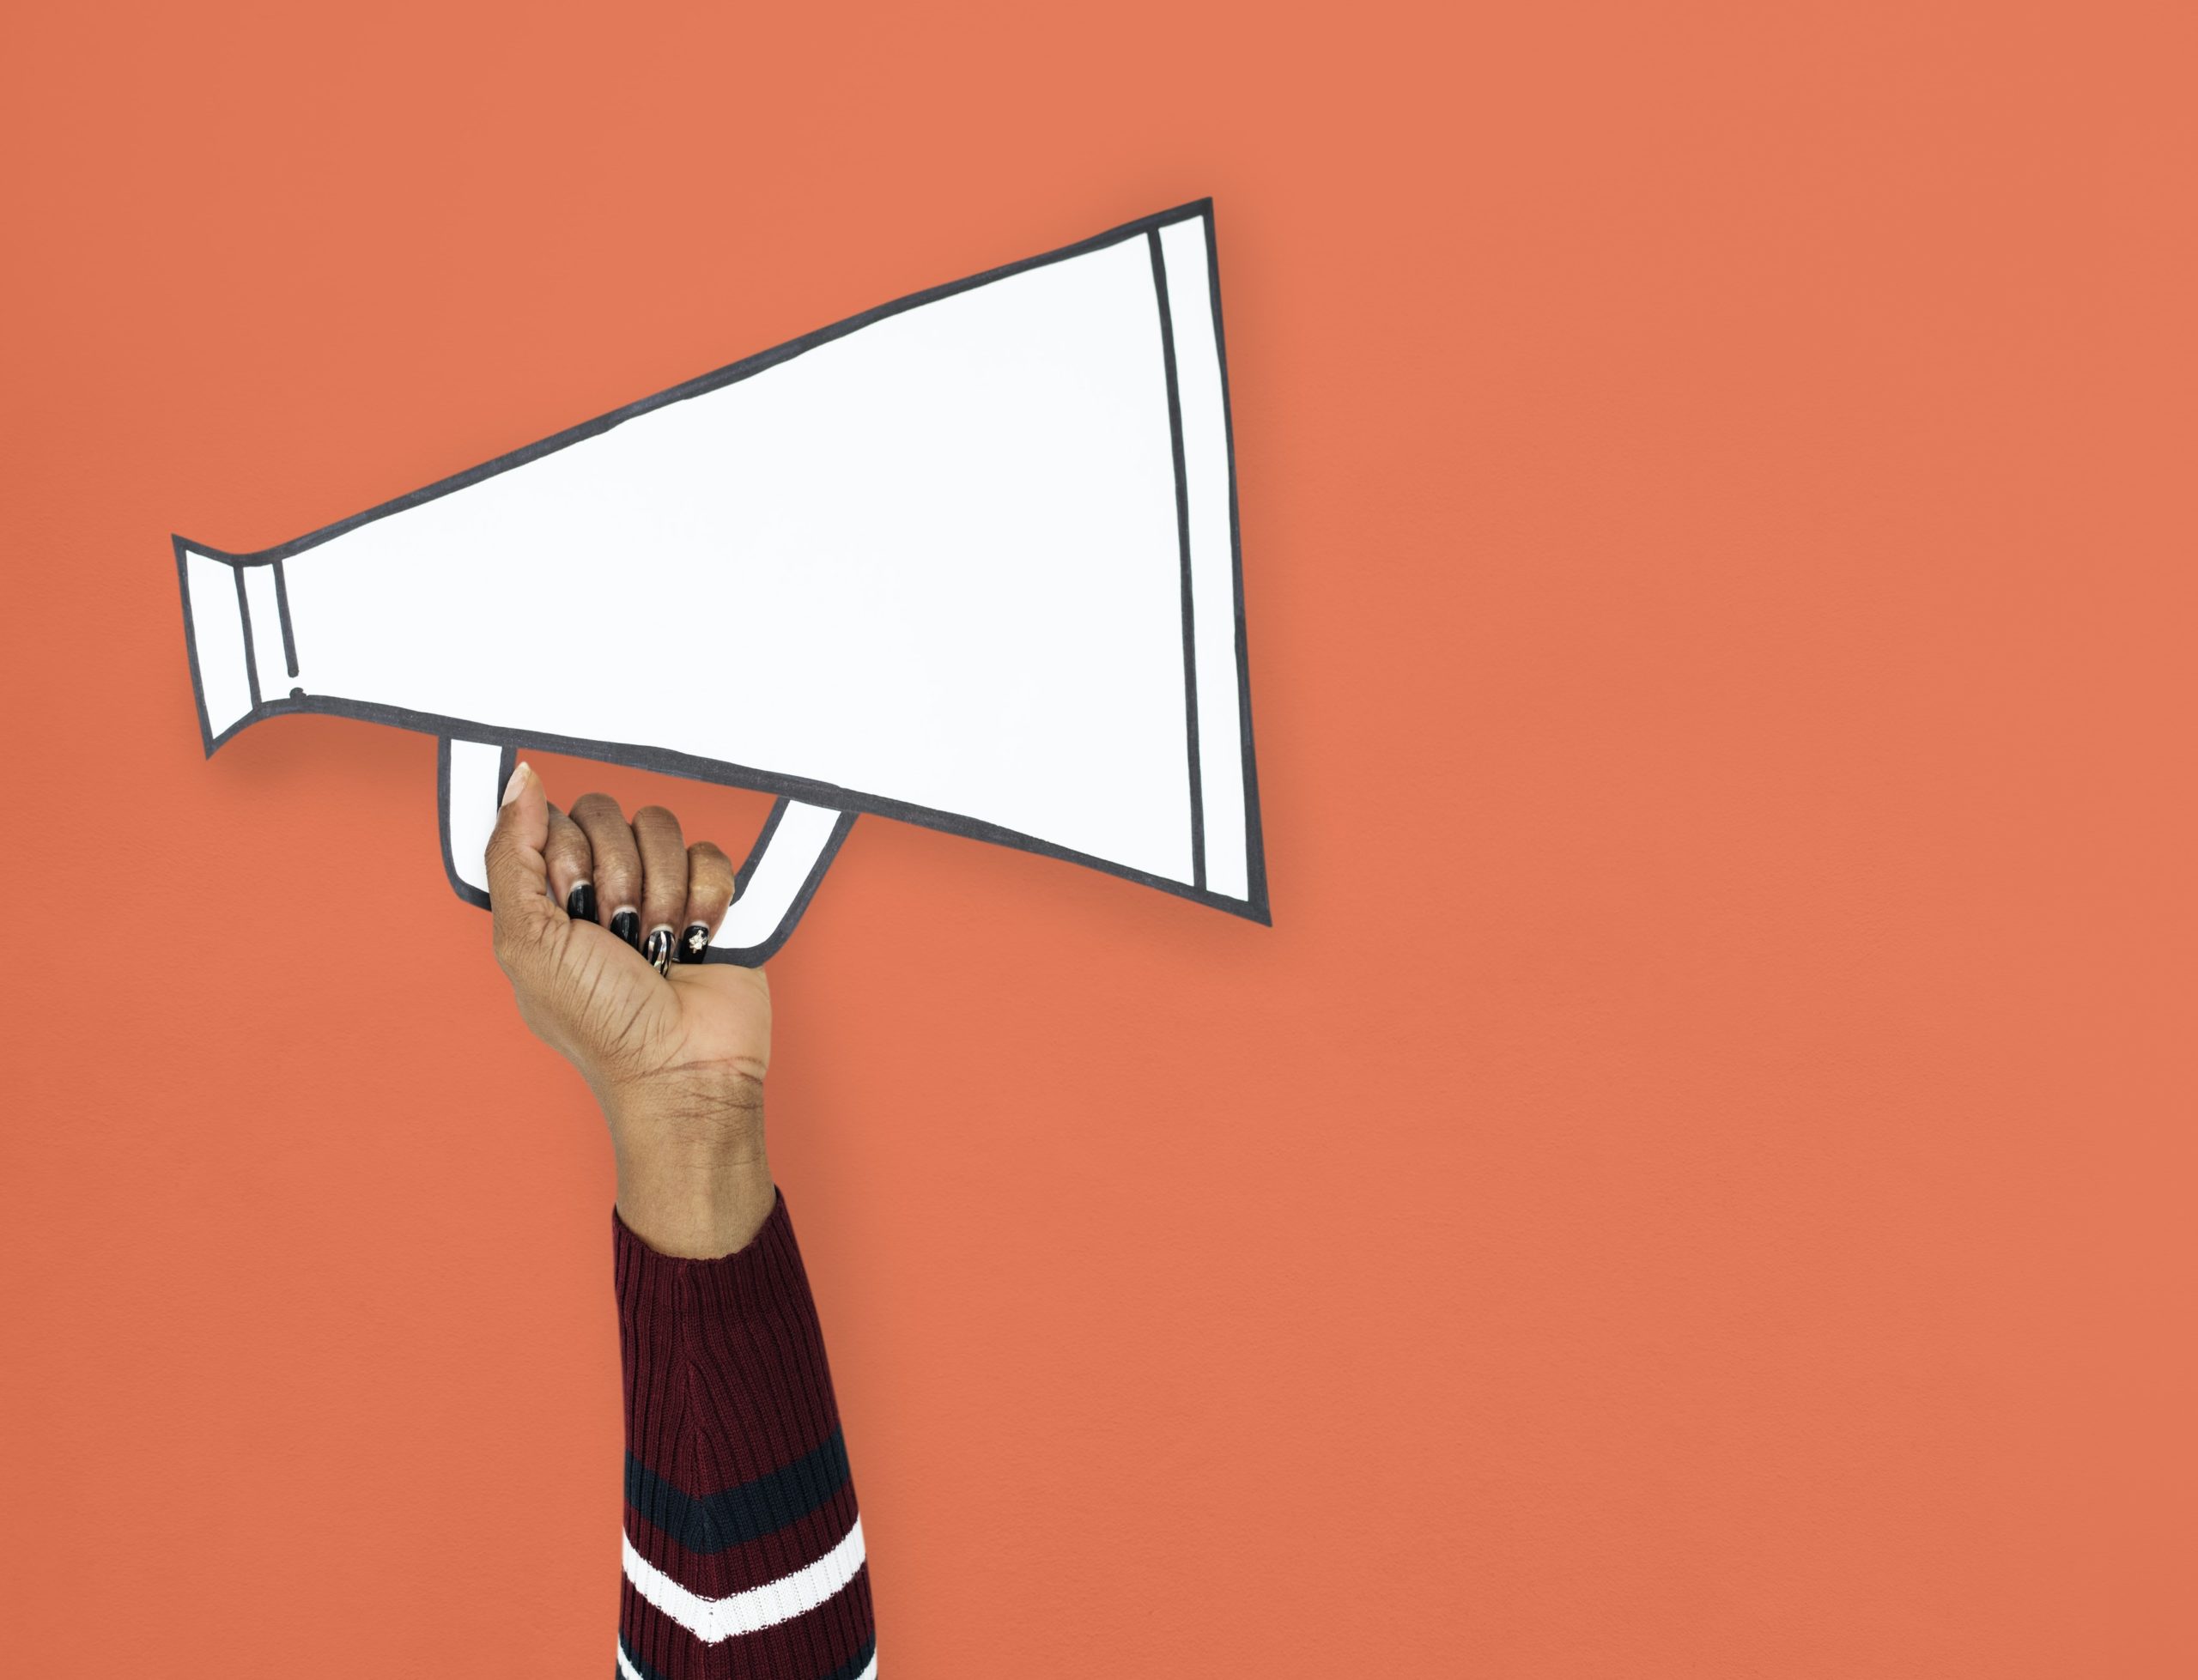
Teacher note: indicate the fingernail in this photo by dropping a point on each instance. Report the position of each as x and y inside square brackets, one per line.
[658, 950]
[627, 924]
[519, 774]
[694, 941]
[580, 907]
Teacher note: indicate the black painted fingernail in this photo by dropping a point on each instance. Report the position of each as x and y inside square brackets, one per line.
[580, 907]
[659, 948]
[627, 924]
[694, 941]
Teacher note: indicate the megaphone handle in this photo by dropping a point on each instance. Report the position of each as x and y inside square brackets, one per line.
[470, 777]
[793, 849]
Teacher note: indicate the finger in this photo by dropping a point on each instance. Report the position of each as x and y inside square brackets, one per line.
[617, 864]
[519, 882]
[663, 880]
[709, 895]
[572, 867]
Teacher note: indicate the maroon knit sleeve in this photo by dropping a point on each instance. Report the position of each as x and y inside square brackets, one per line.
[743, 1552]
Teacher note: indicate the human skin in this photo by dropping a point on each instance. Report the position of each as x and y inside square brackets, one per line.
[676, 1054]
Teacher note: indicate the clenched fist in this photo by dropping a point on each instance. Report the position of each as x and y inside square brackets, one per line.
[674, 1050]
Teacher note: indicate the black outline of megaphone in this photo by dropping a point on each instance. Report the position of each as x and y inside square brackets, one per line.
[810, 819]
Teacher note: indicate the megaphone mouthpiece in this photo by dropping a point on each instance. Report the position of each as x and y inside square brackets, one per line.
[237, 619]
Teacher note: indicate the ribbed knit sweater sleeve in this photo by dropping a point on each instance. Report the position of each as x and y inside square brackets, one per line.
[744, 1551]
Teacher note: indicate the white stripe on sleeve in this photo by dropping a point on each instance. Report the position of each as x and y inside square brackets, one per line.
[714, 1620]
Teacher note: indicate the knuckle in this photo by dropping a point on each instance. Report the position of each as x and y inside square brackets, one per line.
[594, 805]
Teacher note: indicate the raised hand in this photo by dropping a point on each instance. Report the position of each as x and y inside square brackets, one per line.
[674, 1050]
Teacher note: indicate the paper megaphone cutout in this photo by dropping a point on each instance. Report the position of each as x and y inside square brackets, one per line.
[969, 560]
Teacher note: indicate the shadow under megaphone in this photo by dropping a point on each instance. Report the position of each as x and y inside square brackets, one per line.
[968, 559]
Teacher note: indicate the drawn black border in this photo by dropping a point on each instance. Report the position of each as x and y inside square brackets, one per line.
[1254, 908]
[1255, 849]
[1189, 607]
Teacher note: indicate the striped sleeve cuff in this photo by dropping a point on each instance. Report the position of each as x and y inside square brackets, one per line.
[743, 1548]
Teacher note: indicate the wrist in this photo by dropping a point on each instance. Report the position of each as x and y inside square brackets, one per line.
[695, 1216]
[694, 1179]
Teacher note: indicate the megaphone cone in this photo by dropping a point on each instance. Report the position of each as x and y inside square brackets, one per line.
[969, 560]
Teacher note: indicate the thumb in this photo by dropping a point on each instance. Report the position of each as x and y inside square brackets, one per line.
[518, 877]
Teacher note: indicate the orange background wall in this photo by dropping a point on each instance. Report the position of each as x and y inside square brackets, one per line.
[1697, 1181]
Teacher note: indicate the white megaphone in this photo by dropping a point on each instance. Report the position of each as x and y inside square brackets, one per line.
[969, 560]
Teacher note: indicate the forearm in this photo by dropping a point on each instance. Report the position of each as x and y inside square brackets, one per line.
[744, 1549]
